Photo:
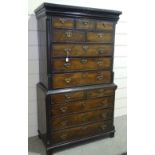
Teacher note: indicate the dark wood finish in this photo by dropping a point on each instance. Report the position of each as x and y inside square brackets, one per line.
[79, 79]
[81, 64]
[82, 50]
[82, 118]
[82, 131]
[81, 106]
[76, 91]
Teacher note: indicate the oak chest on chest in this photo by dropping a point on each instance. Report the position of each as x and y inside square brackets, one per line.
[76, 92]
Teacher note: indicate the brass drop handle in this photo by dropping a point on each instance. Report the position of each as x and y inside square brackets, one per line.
[85, 22]
[67, 64]
[100, 77]
[68, 80]
[67, 50]
[63, 136]
[67, 96]
[63, 109]
[103, 24]
[68, 34]
[84, 61]
[62, 20]
[100, 35]
[103, 127]
[100, 62]
[85, 47]
[101, 51]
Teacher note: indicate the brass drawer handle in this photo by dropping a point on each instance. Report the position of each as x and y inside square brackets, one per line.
[62, 20]
[100, 62]
[67, 64]
[101, 51]
[63, 109]
[100, 35]
[68, 80]
[85, 47]
[85, 22]
[100, 77]
[103, 24]
[63, 136]
[68, 34]
[67, 49]
[103, 127]
[84, 61]
[67, 96]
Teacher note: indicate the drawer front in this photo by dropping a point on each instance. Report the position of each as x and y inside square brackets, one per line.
[81, 132]
[100, 92]
[81, 64]
[82, 118]
[100, 37]
[71, 50]
[79, 79]
[102, 25]
[61, 22]
[81, 106]
[67, 97]
[85, 24]
[68, 36]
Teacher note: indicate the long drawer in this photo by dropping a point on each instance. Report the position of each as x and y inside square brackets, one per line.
[81, 64]
[63, 98]
[81, 106]
[81, 50]
[81, 118]
[80, 36]
[81, 132]
[81, 79]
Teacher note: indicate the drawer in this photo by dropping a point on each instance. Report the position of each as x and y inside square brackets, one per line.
[82, 118]
[81, 105]
[67, 97]
[85, 24]
[71, 50]
[100, 92]
[81, 132]
[81, 78]
[100, 37]
[68, 36]
[81, 64]
[62, 22]
[102, 25]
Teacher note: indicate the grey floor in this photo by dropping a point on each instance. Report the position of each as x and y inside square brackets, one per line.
[108, 146]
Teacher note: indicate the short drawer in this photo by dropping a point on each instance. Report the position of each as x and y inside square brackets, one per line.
[62, 22]
[100, 37]
[67, 97]
[81, 106]
[81, 64]
[68, 36]
[85, 24]
[102, 25]
[81, 132]
[81, 78]
[82, 118]
[81, 50]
